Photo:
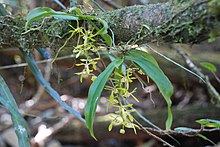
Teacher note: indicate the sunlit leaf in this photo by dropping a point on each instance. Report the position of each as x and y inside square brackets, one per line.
[95, 91]
[39, 77]
[149, 65]
[209, 66]
[19, 124]
[209, 123]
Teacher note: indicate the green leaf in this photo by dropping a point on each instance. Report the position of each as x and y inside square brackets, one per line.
[103, 33]
[107, 38]
[105, 26]
[95, 91]
[184, 130]
[77, 10]
[138, 53]
[41, 12]
[39, 77]
[19, 124]
[149, 65]
[209, 123]
[205, 138]
[209, 66]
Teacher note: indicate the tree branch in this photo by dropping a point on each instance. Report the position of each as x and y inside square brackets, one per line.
[189, 22]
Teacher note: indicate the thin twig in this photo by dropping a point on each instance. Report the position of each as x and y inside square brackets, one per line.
[151, 134]
[38, 62]
[212, 91]
[195, 132]
[177, 64]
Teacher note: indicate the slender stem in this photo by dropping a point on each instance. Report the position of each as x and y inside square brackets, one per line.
[211, 89]
[38, 62]
[151, 134]
[177, 64]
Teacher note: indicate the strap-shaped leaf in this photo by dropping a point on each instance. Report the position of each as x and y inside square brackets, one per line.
[19, 124]
[39, 77]
[44, 53]
[149, 65]
[41, 12]
[184, 130]
[103, 32]
[95, 91]
[105, 27]
[209, 123]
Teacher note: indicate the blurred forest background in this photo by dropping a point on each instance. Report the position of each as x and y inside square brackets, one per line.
[51, 126]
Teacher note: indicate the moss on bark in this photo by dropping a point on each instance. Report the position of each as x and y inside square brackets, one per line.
[184, 21]
[187, 21]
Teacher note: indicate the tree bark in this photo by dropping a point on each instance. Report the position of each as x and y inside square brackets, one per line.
[190, 21]
[187, 22]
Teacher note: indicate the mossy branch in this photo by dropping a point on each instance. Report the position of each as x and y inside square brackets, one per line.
[190, 21]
